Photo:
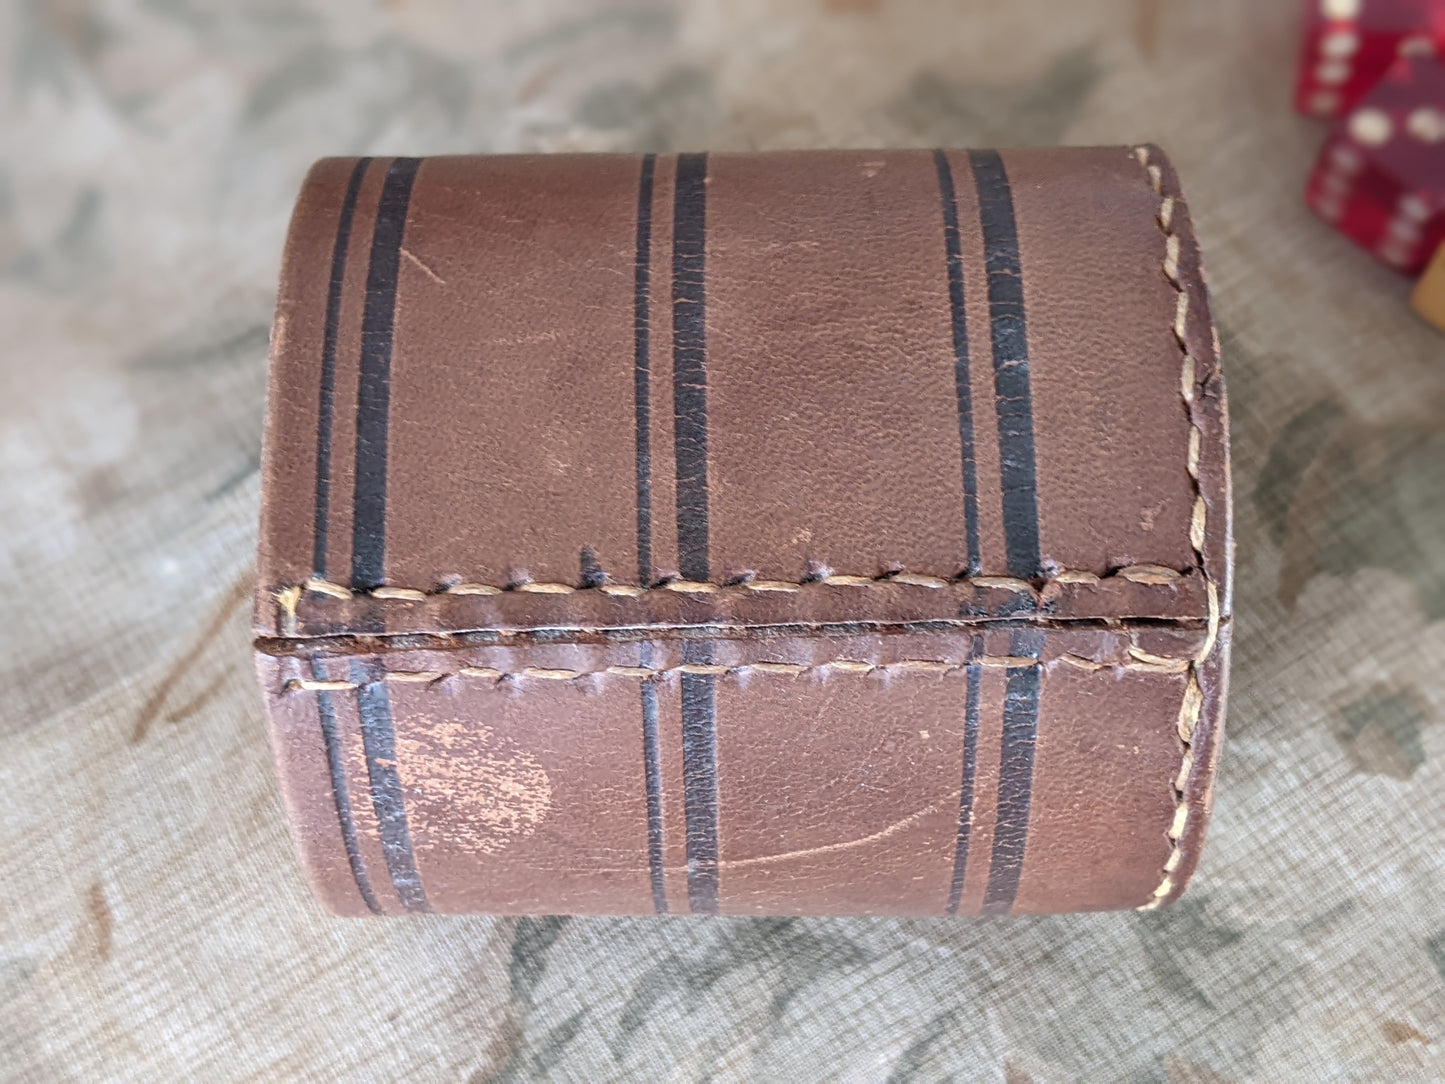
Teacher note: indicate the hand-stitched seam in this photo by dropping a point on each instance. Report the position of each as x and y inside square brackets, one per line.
[1147, 574]
[1139, 661]
[1192, 705]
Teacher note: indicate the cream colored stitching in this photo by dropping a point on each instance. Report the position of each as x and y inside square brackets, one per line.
[1149, 574]
[1154, 575]
[1193, 703]
[1162, 663]
[325, 587]
[419, 676]
[474, 589]
[405, 594]
[321, 686]
[1139, 662]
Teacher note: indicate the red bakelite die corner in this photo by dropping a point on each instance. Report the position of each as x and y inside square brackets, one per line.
[1380, 178]
[1348, 45]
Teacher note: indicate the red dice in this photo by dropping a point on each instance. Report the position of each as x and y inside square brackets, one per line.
[1348, 45]
[1380, 178]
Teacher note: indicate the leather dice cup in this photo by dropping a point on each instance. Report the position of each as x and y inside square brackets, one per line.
[821, 533]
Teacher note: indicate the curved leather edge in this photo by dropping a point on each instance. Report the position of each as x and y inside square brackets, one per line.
[1207, 405]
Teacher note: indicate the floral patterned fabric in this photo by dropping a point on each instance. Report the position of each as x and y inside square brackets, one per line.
[153, 923]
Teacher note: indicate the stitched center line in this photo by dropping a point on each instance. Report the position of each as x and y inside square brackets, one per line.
[1138, 662]
[1149, 575]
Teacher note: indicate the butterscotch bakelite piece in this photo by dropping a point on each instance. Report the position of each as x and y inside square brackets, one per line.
[1429, 297]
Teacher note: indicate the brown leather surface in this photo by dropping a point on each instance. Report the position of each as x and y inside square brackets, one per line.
[835, 661]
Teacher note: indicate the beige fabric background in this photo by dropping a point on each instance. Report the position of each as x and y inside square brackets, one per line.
[153, 924]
